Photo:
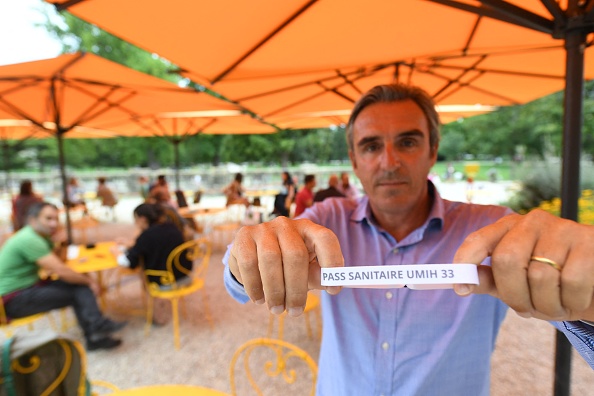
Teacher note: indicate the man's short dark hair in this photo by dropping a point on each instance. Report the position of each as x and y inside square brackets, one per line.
[37, 207]
[309, 178]
[397, 92]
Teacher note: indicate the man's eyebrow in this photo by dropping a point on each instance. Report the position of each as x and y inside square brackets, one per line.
[367, 140]
[371, 139]
[412, 133]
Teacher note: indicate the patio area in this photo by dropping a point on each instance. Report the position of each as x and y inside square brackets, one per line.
[522, 363]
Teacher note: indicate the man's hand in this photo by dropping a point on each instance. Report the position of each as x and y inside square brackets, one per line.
[529, 286]
[279, 261]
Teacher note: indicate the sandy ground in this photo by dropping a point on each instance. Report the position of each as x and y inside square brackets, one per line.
[522, 363]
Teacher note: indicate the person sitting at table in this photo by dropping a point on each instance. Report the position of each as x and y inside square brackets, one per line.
[22, 203]
[284, 199]
[187, 226]
[234, 192]
[107, 196]
[24, 293]
[74, 195]
[150, 250]
[331, 191]
[161, 189]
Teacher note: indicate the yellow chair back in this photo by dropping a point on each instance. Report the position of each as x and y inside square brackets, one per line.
[277, 358]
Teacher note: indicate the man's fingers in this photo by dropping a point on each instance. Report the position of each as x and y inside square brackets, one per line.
[243, 264]
[325, 252]
[279, 261]
[480, 244]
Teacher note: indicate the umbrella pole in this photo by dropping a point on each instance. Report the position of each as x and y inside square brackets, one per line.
[6, 154]
[575, 43]
[60, 136]
[176, 143]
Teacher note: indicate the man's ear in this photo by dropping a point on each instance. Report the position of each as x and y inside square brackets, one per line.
[433, 153]
[353, 161]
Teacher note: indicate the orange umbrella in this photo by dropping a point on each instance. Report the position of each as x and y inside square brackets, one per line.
[84, 90]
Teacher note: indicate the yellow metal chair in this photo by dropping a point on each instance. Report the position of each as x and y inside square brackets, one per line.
[312, 305]
[9, 326]
[276, 358]
[198, 251]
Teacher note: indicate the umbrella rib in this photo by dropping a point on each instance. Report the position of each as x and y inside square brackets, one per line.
[66, 4]
[87, 115]
[472, 34]
[470, 86]
[263, 41]
[301, 85]
[555, 10]
[504, 12]
[462, 74]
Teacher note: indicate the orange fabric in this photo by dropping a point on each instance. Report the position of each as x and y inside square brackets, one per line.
[279, 63]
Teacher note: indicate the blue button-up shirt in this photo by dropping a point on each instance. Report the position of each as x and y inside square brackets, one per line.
[403, 341]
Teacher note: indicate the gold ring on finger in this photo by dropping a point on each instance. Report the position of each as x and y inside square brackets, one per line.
[547, 261]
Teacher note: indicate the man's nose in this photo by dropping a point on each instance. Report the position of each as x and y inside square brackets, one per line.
[390, 157]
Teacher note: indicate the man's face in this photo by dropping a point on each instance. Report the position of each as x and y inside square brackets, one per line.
[391, 155]
[47, 222]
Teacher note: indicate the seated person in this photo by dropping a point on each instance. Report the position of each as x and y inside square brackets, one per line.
[74, 194]
[331, 191]
[22, 203]
[234, 192]
[105, 194]
[187, 226]
[157, 239]
[25, 294]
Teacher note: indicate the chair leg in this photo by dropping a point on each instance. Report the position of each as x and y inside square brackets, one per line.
[281, 326]
[175, 312]
[149, 315]
[207, 310]
[307, 325]
[270, 325]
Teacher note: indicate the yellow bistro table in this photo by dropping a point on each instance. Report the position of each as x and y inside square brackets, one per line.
[166, 390]
[94, 258]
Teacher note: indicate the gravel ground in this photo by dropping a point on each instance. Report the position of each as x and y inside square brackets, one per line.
[522, 363]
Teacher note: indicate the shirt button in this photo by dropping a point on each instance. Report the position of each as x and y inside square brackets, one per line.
[385, 346]
[395, 250]
[389, 295]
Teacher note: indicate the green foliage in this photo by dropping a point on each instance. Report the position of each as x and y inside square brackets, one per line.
[541, 181]
[78, 35]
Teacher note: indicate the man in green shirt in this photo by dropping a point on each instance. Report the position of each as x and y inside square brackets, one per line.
[24, 293]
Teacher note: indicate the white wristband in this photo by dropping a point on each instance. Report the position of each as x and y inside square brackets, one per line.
[414, 276]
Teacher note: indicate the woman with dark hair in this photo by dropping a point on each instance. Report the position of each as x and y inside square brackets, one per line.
[284, 199]
[22, 203]
[152, 247]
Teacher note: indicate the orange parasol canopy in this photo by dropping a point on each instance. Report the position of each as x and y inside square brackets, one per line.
[283, 58]
[71, 93]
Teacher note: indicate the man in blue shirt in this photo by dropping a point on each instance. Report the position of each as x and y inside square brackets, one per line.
[403, 341]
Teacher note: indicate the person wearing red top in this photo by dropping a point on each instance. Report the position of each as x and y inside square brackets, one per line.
[305, 196]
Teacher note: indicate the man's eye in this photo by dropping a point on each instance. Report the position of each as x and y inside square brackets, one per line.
[371, 148]
[408, 143]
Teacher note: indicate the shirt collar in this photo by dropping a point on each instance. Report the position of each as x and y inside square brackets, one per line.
[435, 218]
